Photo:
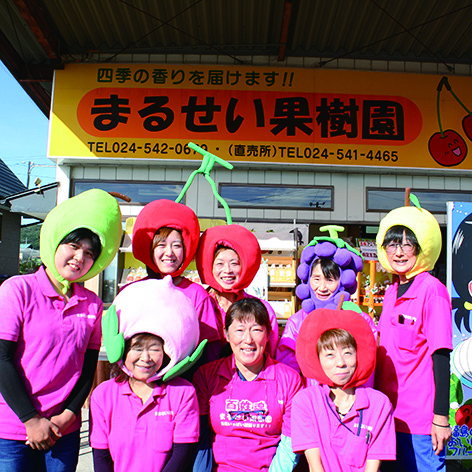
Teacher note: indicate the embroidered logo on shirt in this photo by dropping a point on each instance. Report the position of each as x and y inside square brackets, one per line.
[84, 315]
[364, 426]
[164, 413]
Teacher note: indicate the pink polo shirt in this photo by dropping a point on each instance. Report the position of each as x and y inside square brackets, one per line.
[274, 334]
[140, 437]
[247, 418]
[52, 338]
[366, 432]
[411, 329]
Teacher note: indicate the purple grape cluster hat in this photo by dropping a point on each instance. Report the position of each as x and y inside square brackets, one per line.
[348, 259]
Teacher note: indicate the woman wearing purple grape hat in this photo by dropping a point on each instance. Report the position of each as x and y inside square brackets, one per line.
[328, 269]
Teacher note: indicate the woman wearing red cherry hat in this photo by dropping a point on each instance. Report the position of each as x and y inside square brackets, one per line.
[228, 258]
[165, 239]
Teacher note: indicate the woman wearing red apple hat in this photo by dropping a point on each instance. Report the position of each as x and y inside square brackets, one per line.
[228, 258]
[165, 239]
[415, 339]
[339, 424]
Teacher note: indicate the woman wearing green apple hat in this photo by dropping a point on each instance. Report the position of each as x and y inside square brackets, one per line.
[50, 336]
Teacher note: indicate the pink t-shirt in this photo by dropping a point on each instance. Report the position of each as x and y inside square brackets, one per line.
[411, 329]
[366, 432]
[274, 334]
[246, 418]
[51, 337]
[140, 437]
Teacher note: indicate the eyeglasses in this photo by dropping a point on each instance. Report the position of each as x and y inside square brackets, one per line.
[407, 248]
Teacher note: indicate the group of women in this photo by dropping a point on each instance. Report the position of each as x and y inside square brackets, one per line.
[232, 410]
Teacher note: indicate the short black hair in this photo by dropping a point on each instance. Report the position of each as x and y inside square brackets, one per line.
[395, 235]
[83, 233]
[248, 308]
[329, 268]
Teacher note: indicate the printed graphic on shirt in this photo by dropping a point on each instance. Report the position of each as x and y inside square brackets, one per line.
[246, 413]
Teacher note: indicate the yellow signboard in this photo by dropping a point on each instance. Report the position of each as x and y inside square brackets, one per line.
[259, 114]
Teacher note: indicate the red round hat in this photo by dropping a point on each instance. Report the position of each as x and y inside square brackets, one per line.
[319, 321]
[161, 213]
[235, 237]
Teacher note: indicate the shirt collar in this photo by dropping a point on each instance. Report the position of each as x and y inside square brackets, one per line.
[228, 368]
[412, 293]
[360, 403]
[48, 290]
[158, 391]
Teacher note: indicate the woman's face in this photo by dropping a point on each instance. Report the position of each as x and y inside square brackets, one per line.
[248, 341]
[168, 255]
[401, 257]
[322, 286]
[339, 364]
[144, 359]
[226, 268]
[74, 260]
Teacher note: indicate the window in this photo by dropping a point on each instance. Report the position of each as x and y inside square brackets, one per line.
[432, 200]
[139, 192]
[296, 197]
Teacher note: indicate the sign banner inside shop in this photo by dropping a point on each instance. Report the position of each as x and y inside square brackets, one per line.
[261, 114]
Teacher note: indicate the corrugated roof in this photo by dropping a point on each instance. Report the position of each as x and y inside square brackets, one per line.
[9, 182]
[39, 35]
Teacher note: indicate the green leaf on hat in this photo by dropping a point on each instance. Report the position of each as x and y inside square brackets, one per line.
[112, 338]
[415, 201]
[186, 363]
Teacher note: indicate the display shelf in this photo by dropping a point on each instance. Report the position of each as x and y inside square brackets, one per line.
[280, 251]
[283, 284]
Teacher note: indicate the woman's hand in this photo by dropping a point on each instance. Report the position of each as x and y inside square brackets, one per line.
[64, 420]
[41, 433]
[440, 433]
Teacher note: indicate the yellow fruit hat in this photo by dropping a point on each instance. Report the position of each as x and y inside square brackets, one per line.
[427, 232]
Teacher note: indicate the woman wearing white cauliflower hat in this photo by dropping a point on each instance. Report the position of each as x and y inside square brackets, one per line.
[145, 418]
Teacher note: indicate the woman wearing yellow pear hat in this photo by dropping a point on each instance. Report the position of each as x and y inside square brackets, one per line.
[415, 339]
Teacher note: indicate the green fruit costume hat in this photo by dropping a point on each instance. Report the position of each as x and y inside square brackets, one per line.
[235, 237]
[157, 307]
[156, 215]
[95, 210]
[426, 229]
[323, 319]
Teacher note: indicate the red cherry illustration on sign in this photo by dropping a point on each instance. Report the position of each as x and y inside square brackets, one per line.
[467, 125]
[447, 149]
[464, 416]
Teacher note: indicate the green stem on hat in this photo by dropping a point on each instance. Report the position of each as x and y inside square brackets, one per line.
[333, 230]
[206, 167]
